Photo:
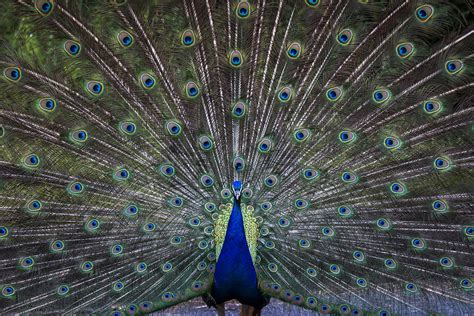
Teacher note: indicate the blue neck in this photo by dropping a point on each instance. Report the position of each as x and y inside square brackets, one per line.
[235, 276]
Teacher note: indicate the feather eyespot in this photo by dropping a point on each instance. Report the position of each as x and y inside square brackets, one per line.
[191, 90]
[31, 161]
[344, 37]
[176, 201]
[325, 308]
[207, 181]
[466, 284]
[72, 48]
[235, 59]
[327, 232]
[311, 302]
[121, 174]
[411, 287]
[118, 286]
[432, 106]
[188, 38]
[44, 7]
[247, 193]
[424, 13]
[392, 142]
[131, 210]
[347, 137]
[194, 222]
[3, 232]
[381, 96]
[87, 266]
[79, 136]
[75, 187]
[301, 135]
[173, 128]
[132, 309]
[266, 206]
[92, 225]
[304, 243]
[301, 204]
[239, 110]
[446, 262]
[167, 170]
[141, 267]
[128, 128]
[210, 207]
[125, 39]
[390, 263]
[349, 177]
[383, 312]
[405, 50]
[34, 206]
[272, 267]
[95, 88]
[469, 231]
[358, 256]
[270, 181]
[201, 266]
[265, 145]
[46, 104]
[116, 250]
[418, 244]
[203, 244]
[226, 193]
[147, 81]
[205, 143]
[454, 66]
[311, 272]
[8, 291]
[334, 269]
[285, 94]
[56, 246]
[294, 50]
[383, 224]
[27, 263]
[176, 240]
[344, 309]
[442, 163]
[149, 227]
[238, 164]
[243, 10]
[12, 74]
[334, 94]
[361, 282]
[312, 3]
[197, 286]
[344, 211]
[62, 290]
[167, 266]
[310, 174]
[398, 188]
[146, 306]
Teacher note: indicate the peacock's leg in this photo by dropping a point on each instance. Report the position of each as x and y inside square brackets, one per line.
[220, 309]
[248, 310]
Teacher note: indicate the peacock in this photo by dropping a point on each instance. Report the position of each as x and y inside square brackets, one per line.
[316, 152]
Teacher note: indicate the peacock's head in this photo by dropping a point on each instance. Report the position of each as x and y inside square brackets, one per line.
[237, 187]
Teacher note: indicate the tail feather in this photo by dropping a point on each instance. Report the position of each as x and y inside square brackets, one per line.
[124, 125]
